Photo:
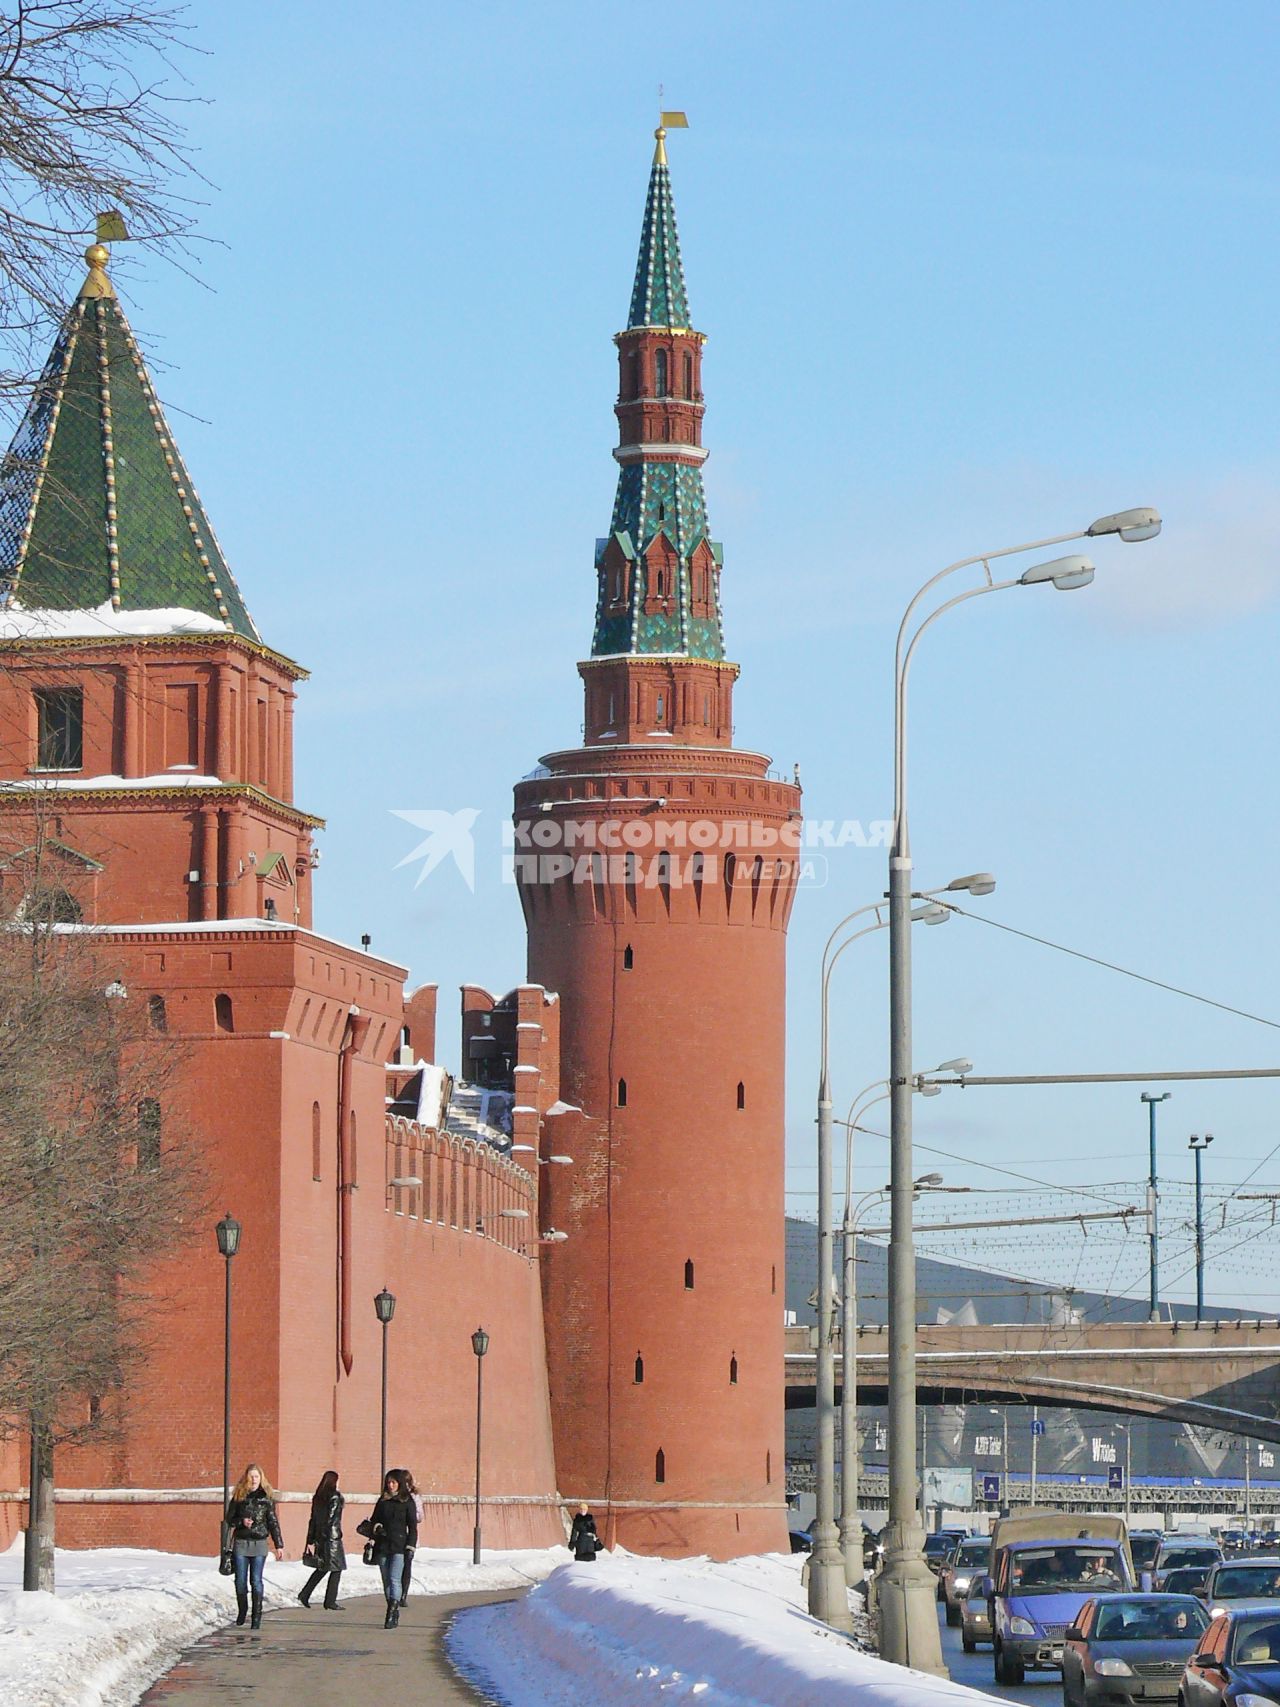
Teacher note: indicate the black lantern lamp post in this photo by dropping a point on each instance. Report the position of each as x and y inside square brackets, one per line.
[385, 1304]
[479, 1344]
[228, 1231]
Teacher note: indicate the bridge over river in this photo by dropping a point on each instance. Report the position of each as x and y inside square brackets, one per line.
[1223, 1375]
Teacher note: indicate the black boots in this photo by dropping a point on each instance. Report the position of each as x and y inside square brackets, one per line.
[393, 1616]
[302, 1600]
[255, 1622]
[242, 1607]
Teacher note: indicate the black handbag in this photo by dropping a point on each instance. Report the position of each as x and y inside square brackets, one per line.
[309, 1559]
[371, 1552]
[365, 1528]
[226, 1553]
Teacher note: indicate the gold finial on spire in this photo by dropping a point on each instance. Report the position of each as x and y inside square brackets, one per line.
[97, 284]
[666, 122]
[110, 229]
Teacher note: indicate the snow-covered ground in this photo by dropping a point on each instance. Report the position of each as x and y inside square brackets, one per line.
[635, 1632]
[121, 1616]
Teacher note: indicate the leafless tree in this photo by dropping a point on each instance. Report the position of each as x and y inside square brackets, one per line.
[89, 124]
[95, 1183]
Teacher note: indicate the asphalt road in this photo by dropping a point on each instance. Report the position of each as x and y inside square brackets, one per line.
[1041, 1689]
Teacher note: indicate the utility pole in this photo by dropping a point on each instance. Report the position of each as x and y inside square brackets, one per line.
[1151, 1098]
[1199, 1146]
[1004, 1458]
[1248, 1484]
[1035, 1445]
[1128, 1473]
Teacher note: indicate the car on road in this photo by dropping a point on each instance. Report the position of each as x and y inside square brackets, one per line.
[936, 1548]
[1127, 1648]
[1237, 1663]
[1235, 1540]
[975, 1617]
[1187, 1579]
[1242, 1582]
[967, 1563]
[1144, 1544]
[1178, 1550]
[1044, 1566]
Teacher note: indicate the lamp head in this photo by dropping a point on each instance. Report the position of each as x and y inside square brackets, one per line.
[959, 1067]
[931, 914]
[384, 1305]
[926, 1180]
[1065, 573]
[479, 1342]
[228, 1233]
[977, 883]
[1156, 1096]
[929, 1090]
[1131, 525]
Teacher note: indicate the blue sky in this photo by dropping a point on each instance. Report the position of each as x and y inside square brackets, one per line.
[971, 274]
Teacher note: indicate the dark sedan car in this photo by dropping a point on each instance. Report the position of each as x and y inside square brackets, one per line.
[1125, 1648]
[1237, 1663]
[1188, 1579]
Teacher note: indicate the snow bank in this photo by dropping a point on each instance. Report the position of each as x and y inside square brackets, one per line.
[634, 1631]
[19, 624]
[122, 1616]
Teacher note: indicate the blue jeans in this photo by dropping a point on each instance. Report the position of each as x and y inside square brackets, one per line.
[245, 1564]
[392, 1566]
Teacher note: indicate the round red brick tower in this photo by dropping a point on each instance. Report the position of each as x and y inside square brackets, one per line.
[656, 866]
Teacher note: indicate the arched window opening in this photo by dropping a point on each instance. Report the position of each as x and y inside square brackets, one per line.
[148, 1135]
[730, 867]
[639, 1374]
[660, 374]
[622, 1093]
[50, 907]
[628, 958]
[688, 1275]
[733, 1371]
[156, 1013]
[223, 1014]
[697, 869]
[660, 1466]
[315, 1140]
[742, 1094]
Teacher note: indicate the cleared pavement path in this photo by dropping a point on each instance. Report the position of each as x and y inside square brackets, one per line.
[327, 1659]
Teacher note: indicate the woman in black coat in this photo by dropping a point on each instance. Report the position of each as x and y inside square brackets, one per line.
[395, 1530]
[253, 1529]
[583, 1540]
[324, 1541]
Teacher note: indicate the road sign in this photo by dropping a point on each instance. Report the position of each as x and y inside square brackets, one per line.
[1115, 1477]
[991, 1489]
[1037, 1426]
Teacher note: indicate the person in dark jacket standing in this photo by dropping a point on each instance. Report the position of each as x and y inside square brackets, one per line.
[395, 1529]
[324, 1541]
[252, 1522]
[410, 1487]
[583, 1540]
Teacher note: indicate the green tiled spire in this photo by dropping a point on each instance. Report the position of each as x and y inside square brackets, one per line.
[658, 296]
[96, 505]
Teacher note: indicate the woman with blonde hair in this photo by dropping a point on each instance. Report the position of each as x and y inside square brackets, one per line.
[254, 1528]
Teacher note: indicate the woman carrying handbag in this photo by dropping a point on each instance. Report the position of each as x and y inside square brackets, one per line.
[395, 1530]
[324, 1551]
[255, 1530]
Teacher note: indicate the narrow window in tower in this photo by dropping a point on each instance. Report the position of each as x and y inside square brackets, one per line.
[630, 869]
[223, 1015]
[148, 1135]
[742, 1094]
[660, 713]
[664, 878]
[768, 1466]
[773, 1279]
[697, 867]
[156, 1013]
[730, 868]
[660, 374]
[315, 1140]
[733, 1370]
[612, 713]
[599, 890]
[660, 1466]
[639, 1375]
[628, 958]
[622, 1093]
[59, 729]
[706, 708]
[666, 432]
[662, 512]
[688, 1275]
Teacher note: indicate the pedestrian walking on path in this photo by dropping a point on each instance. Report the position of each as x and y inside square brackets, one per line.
[584, 1543]
[324, 1542]
[252, 1522]
[395, 1530]
[411, 1488]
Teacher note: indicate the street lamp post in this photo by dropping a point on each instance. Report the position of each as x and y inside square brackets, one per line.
[228, 1234]
[1200, 1145]
[479, 1344]
[384, 1305]
[827, 1566]
[908, 1620]
[1151, 1098]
